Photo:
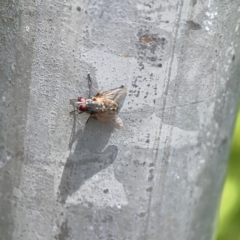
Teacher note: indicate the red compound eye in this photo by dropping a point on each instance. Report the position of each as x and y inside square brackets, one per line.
[81, 99]
[83, 107]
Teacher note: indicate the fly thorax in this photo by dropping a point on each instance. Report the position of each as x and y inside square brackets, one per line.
[93, 106]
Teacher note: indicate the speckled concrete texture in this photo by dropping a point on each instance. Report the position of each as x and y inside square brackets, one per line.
[158, 178]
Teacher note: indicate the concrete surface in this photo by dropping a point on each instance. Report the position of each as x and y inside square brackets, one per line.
[161, 176]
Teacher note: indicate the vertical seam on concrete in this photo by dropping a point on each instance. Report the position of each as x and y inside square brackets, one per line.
[165, 92]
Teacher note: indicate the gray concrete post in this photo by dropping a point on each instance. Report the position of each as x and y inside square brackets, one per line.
[161, 176]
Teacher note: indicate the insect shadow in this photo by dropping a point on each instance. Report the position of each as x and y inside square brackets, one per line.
[88, 155]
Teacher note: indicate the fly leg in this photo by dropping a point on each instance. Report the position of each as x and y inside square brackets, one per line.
[76, 110]
[73, 111]
[72, 100]
[90, 84]
[90, 118]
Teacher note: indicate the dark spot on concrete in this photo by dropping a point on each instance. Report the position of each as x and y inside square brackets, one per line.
[108, 218]
[167, 21]
[79, 9]
[144, 163]
[153, 59]
[136, 162]
[150, 177]
[194, 26]
[142, 214]
[223, 142]
[233, 57]
[147, 5]
[90, 205]
[159, 65]
[141, 66]
[149, 189]
[134, 85]
[151, 164]
[101, 14]
[153, 48]
[194, 2]
[147, 141]
[106, 190]
[144, 46]
[154, 101]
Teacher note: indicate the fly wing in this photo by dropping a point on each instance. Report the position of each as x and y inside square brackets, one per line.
[110, 118]
[114, 94]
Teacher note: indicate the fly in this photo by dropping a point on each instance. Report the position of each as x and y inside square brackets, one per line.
[103, 106]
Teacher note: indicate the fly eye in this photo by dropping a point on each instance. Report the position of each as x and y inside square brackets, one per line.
[81, 99]
[83, 107]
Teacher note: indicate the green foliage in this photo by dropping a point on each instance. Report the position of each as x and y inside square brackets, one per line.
[229, 217]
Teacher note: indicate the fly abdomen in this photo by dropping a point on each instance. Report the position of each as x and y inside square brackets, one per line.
[110, 105]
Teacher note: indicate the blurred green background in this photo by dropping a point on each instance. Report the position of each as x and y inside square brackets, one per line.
[229, 216]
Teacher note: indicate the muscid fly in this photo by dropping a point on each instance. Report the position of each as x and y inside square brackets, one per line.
[103, 106]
